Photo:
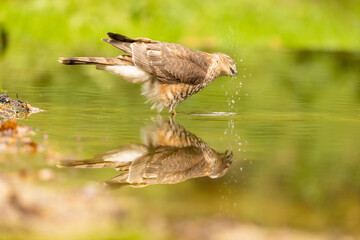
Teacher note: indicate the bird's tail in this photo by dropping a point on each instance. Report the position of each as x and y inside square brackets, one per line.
[92, 163]
[121, 60]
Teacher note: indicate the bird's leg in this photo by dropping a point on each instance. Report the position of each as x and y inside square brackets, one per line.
[171, 120]
[172, 109]
[158, 113]
[173, 113]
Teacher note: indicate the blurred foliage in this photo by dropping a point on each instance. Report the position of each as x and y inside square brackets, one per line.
[331, 24]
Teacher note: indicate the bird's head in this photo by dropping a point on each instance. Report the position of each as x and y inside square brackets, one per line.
[227, 65]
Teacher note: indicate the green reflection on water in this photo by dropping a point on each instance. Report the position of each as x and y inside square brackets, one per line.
[295, 136]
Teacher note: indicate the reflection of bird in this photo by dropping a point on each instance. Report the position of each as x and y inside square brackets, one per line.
[170, 72]
[170, 154]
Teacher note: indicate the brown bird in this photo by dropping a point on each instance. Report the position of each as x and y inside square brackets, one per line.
[170, 154]
[169, 72]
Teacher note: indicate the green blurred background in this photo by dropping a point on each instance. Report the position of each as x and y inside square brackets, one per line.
[324, 25]
[296, 98]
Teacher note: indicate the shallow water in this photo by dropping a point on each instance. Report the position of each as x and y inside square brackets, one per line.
[291, 119]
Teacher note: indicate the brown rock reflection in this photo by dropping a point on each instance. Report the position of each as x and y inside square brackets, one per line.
[169, 154]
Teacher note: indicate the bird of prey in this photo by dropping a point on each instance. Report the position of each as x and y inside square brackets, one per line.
[169, 154]
[169, 72]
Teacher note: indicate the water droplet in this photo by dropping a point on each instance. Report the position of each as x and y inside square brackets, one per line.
[233, 101]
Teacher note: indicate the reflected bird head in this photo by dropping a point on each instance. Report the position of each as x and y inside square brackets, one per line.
[222, 164]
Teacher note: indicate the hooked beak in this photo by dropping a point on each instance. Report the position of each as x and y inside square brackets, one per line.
[233, 72]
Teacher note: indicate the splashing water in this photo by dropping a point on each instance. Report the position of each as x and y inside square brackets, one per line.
[234, 95]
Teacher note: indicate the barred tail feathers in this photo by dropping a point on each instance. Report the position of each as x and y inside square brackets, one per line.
[122, 66]
[121, 60]
[92, 163]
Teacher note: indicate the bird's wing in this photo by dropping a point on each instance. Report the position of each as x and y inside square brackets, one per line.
[124, 43]
[172, 159]
[169, 62]
[173, 165]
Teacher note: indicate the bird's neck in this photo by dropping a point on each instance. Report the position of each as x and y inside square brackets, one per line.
[213, 71]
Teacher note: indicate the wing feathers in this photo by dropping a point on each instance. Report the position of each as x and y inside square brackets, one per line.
[123, 46]
[119, 37]
[169, 62]
[122, 38]
[140, 57]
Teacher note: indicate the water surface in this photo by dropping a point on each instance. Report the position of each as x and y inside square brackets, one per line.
[291, 119]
